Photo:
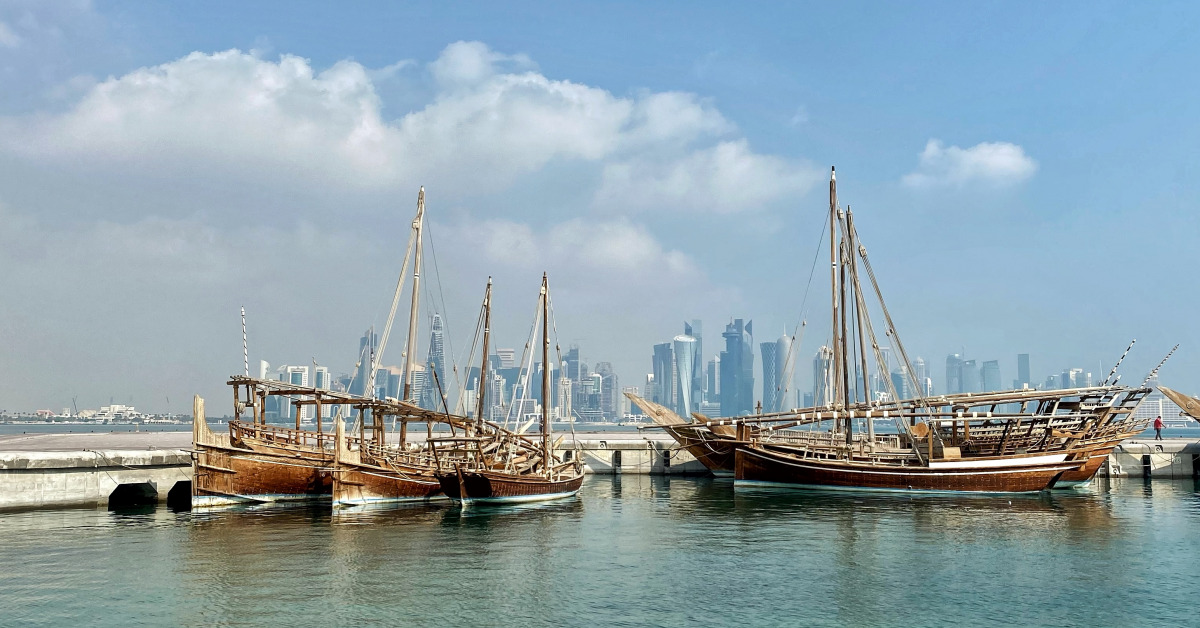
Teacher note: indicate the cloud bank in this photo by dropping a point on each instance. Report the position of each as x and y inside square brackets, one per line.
[493, 119]
[170, 193]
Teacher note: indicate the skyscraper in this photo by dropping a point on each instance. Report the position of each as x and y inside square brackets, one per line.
[609, 390]
[436, 384]
[368, 345]
[713, 392]
[572, 361]
[563, 408]
[737, 369]
[1023, 371]
[970, 376]
[921, 371]
[901, 383]
[989, 376]
[685, 361]
[506, 357]
[297, 376]
[321, 375]
[954, 374]
[823, 385]
[696, 330]
[772, 370]
[663, 368]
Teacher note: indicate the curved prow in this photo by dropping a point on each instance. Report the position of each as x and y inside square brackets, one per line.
[201, 433]
[661, 414]
[1189, 405]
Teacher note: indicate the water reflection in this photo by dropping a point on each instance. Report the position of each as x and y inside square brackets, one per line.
[622, 552]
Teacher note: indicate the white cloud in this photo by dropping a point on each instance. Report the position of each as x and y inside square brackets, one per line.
[618, 249]
[989, 163]
[235, 117]
[725, 178]
[181, 191]
[8, 37]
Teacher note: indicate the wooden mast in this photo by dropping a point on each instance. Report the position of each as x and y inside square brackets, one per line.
[860, 317]
[546, 459]
[842, 346]
[410, 347]
[481, 387]
[835, 366]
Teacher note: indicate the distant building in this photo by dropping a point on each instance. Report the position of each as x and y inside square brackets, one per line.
[713, 376]
[921, 372]
[437, 387]
[954, 374]
[901, 383]
[776, 386]
[562, 407]
[695, 329]
[823, 385]
[684, 348]
[970, 376]
[610, 388]
[664, 374]
[627, 406]
[737, 369]
[989, 376]
[1023, 380]
[508, 357]
[321, 377]
[368, 345]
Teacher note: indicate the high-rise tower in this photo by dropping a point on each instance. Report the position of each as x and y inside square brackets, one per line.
[685, 361]
[823, 385]
[737, 369]
[436, 360]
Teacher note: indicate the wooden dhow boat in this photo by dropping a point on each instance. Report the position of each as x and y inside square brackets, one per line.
[1002, 442]
[712, 443]
[371, 470]
[257, 462]
[507, 467]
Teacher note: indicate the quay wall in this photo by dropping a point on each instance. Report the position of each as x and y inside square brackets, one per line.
[97, 477]
[1168, 458]
[89, 478]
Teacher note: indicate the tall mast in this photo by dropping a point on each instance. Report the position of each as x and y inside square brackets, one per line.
[546, 459]
[843, 346]
[411, 347]
[835, 367]
[860, 315]
[481, 387]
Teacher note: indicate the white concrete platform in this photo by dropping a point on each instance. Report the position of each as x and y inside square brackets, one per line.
[64, 470]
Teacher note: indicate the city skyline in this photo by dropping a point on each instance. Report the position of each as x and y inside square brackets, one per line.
[676, 177]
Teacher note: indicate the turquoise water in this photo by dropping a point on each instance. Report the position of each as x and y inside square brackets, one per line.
[629, 551]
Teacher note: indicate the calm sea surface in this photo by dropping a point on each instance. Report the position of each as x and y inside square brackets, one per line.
[629, 551]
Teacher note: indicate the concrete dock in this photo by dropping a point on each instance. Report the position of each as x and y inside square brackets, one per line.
[123, 469]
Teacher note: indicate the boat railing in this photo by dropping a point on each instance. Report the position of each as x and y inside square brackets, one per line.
[280, 435]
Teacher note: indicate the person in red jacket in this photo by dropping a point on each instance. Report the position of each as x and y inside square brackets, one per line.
[1158, 425]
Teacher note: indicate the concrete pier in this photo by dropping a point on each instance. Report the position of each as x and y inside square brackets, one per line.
[86, 470]
[130, 468]
[1172, 458]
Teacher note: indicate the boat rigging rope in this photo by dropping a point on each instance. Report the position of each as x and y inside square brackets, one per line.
[445, 321]
[523, 379]
[793, 356]
[558, 355]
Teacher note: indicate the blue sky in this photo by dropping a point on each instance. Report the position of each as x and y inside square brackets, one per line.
[1024, 175]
